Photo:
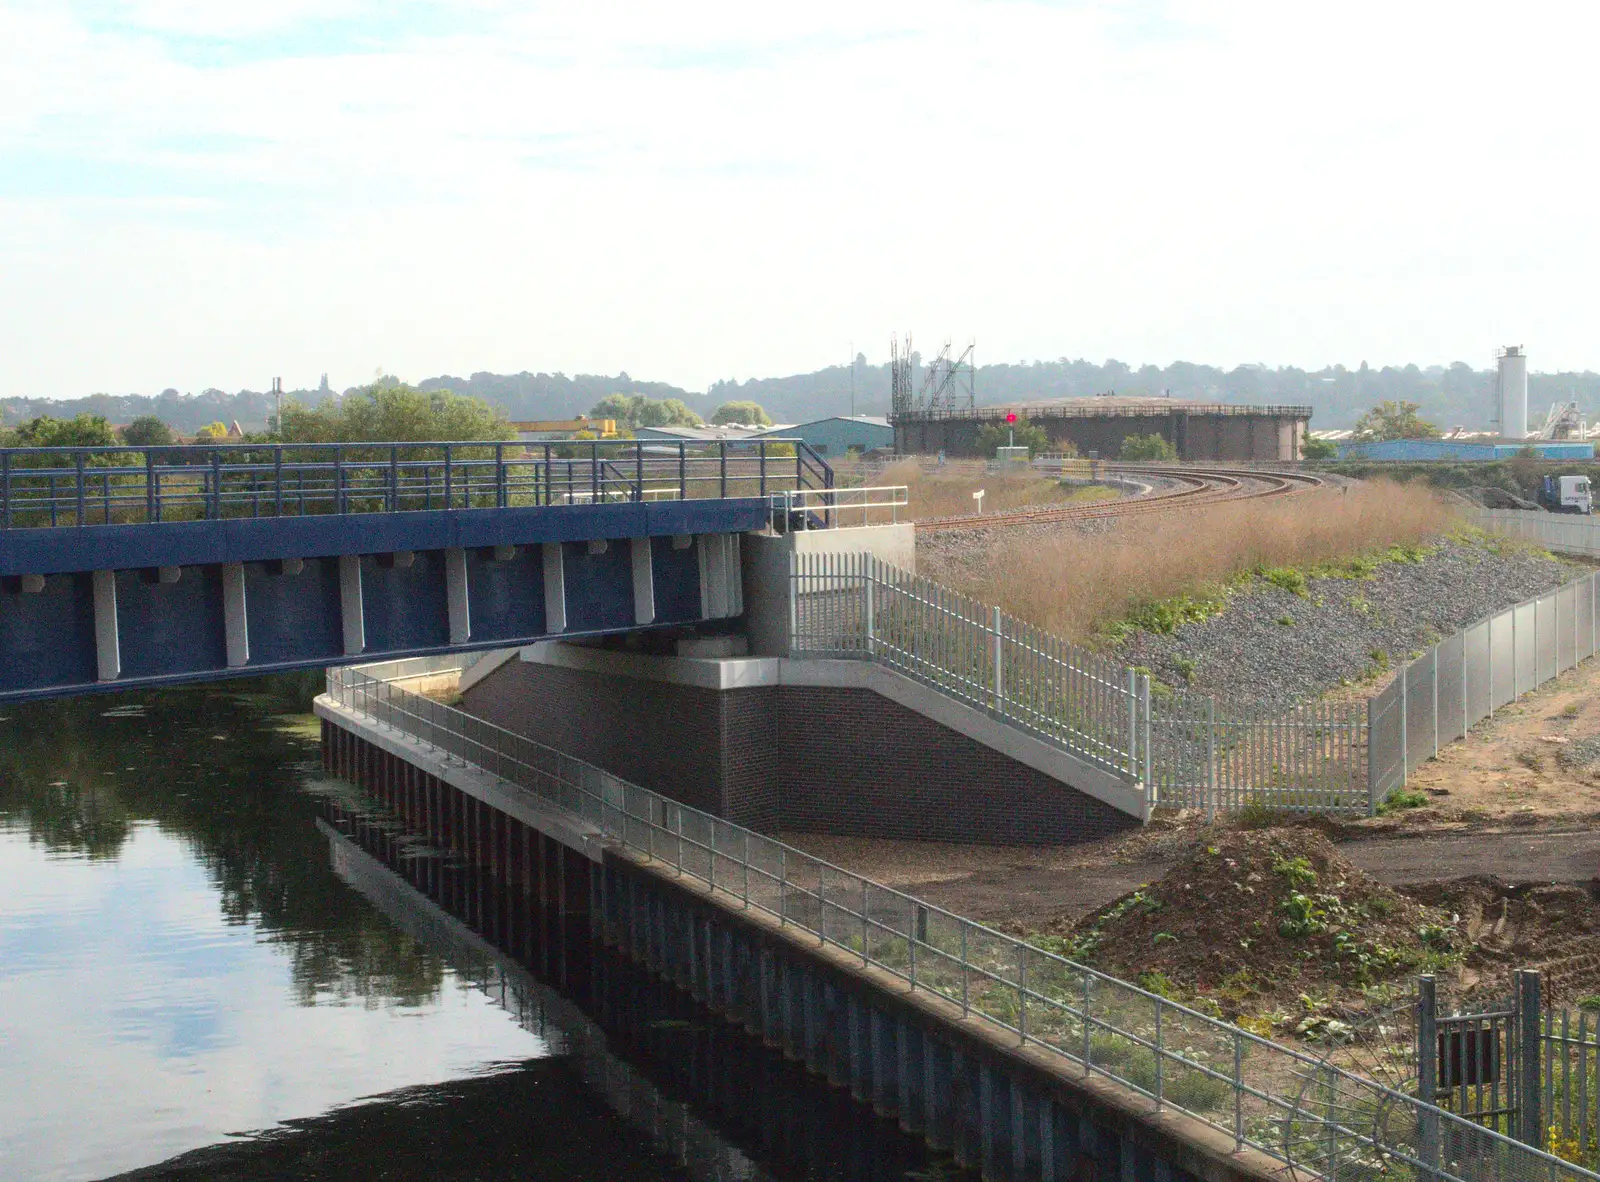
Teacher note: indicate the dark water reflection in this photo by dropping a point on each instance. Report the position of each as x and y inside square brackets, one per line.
[184, 972]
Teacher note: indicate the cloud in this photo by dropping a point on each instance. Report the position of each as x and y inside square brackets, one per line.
[695, 190]
[139, 1023]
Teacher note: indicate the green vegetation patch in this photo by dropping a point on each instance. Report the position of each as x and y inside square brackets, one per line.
[1257, 919]
[1401, 799]
[1164, 617]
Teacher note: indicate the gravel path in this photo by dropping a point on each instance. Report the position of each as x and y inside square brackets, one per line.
[1272, 648]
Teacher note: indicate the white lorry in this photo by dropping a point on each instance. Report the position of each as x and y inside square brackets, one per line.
[1566, 494]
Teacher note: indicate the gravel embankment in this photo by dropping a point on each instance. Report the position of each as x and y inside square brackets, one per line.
[1251, 654]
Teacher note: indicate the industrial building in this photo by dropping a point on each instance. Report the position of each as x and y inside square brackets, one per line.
[1463, 451]
[1198, 431]
[839, 435]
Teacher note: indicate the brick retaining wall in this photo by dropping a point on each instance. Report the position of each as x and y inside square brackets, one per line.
[819, 760]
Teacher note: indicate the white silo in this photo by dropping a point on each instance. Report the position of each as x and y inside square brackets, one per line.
[1511, 390]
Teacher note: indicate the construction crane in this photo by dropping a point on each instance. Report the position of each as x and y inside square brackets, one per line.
[1563, 422]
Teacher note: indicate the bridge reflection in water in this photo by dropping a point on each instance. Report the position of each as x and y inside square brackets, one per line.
[716, 1101]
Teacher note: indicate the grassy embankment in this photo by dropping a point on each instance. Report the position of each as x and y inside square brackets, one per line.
[1161, 571]
[948, 493]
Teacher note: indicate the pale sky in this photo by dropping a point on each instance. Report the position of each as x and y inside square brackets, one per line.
[207, 193]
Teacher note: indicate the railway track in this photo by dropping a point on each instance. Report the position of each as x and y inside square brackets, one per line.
[1195, 487]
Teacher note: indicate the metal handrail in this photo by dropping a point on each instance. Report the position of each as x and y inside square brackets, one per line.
[1188, 750]
[1093, 1021]
[811, 508]
[51, 487]
[858, 606]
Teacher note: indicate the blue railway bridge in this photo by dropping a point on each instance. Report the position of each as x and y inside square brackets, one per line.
[137, 566]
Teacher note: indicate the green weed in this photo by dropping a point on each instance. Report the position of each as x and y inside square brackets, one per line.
[1285, 577]
[1400, 799]
[1157, 983]
[1297, 871]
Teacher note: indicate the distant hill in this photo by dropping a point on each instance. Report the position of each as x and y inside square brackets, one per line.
[1448, 395]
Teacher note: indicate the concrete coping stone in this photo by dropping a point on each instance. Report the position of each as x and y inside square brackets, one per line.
[571, 830]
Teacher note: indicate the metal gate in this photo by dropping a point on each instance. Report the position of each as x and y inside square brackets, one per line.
[1485, 1066]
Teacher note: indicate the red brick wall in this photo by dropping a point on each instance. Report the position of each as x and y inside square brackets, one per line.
[843, 761]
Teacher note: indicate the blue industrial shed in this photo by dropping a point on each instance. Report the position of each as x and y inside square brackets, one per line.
[837, 435]
[1463, 449]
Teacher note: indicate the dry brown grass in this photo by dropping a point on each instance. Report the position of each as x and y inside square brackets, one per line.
[1073, 583]
[948, 492]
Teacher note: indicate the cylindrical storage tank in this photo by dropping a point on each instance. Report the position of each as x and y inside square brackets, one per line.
[1512, 386]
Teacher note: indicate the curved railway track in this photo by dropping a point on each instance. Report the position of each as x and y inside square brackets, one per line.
[1195, 487]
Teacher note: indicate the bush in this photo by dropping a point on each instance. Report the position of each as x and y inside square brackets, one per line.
[1319, 449]
[993, 436]
[748, 414]
[147, 431]
[86, 430]
[389, 412]
[1147, 449]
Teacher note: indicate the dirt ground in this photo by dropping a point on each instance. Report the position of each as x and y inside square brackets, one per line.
[1039, 887]
[1537, 759]
[1518, 799]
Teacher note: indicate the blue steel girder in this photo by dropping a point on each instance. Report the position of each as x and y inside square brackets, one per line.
[44, 551]
[97, 607]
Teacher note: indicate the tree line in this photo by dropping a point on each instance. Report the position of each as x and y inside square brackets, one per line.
[1447, 394]
[388, 411]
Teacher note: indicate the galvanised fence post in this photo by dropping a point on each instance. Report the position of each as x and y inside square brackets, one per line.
[1405, 721]
[964, 973]
[1434, 665]
[1428, 1072]
[1133, 723]
[1022, 991]
[1149, 786]
[866, 589]
[1212, 777]
[999, 674]
[1530, 1048]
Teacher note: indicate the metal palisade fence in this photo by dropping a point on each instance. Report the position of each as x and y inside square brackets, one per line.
[1330, 1123]
[1220, 758]
[1189, 750]
[1571, 1085]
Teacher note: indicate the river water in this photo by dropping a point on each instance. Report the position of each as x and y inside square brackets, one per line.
[215, 963]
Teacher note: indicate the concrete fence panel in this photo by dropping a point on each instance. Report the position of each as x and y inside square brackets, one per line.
[1438, 697]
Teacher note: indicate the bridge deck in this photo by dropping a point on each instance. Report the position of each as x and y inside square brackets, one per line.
[124, 566]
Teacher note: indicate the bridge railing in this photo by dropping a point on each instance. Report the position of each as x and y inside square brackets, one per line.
[1190, 750]
[44, 487]
[1328, 1122]
[858, 607]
